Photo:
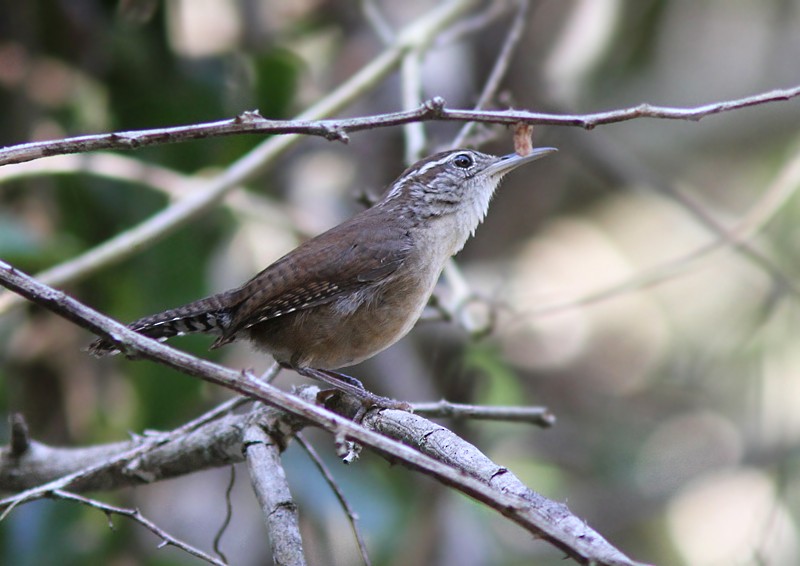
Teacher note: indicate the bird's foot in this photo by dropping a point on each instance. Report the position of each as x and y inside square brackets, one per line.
[366, 399]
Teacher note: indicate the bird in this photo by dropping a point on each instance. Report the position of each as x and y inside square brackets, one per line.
[351, 292]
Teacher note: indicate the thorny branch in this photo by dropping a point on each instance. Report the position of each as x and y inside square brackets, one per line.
[494, 486]
[435, 109]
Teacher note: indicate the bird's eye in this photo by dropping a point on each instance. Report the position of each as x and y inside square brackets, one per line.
[463, 160]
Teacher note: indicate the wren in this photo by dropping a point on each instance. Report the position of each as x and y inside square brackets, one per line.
[353, 291]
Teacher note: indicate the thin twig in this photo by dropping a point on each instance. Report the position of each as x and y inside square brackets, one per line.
[134, 514]
[352, 517]
[539, 416]
[10, 503]
[228, 515]
[546, 519]
[432, 110]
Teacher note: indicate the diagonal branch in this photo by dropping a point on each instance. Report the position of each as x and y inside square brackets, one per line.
[541, 517]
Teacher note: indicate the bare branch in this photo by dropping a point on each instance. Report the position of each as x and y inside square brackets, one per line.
[263, 454]
[110, 466]
[546, 519]
[539, 416]
[249, 122]
[432, 110]
[135, 515]
[210, 441]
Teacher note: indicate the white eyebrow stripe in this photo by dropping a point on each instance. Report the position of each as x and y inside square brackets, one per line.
[421, 171]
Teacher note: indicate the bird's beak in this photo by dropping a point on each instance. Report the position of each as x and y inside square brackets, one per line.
[512, 161]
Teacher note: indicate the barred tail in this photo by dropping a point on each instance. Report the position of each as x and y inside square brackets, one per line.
[209, 315]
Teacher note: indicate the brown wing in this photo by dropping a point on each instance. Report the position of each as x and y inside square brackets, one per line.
[357, 253]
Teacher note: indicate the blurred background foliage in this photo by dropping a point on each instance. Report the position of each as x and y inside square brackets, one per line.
[675, 379]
